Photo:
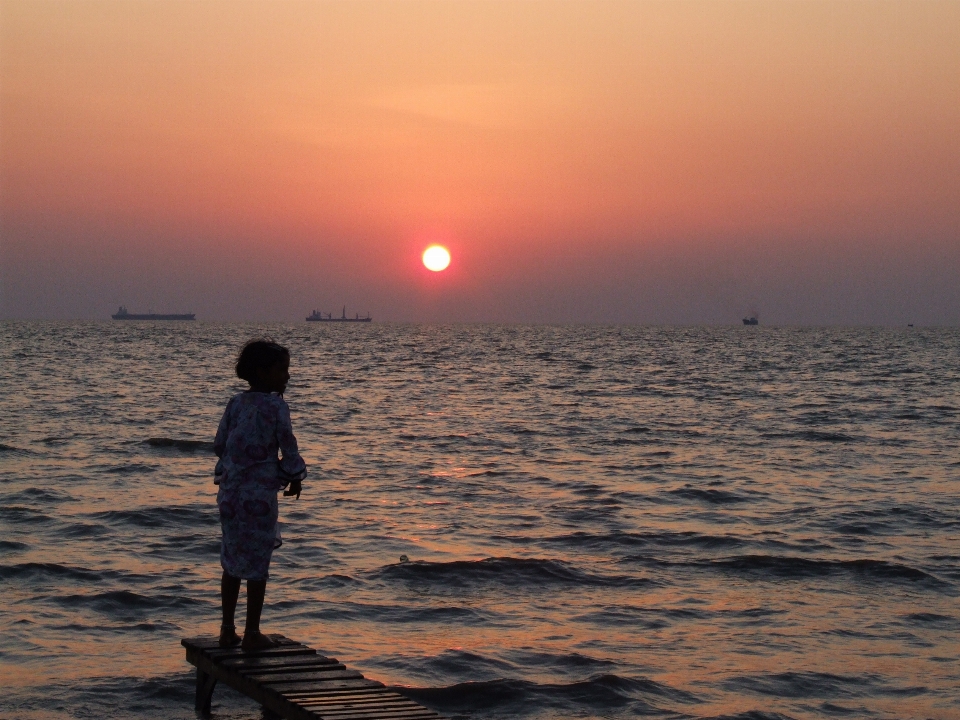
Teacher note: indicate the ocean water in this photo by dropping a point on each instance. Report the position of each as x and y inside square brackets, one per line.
[601, 522]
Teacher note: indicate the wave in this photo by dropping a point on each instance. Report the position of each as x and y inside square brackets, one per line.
[932, 620]
[54, 571]
[506, 571]
[448, 664]
[644, 618]
[37, 496]
[11, 450]
[133, 469]
[176, 690]
[123, 697]
[513, 697]
[608, 541]
[18, 514]
[812, 436]
[115, 602]
[751, 715]
[709, 495]
[782, 567]
[473, 666]
[797, 567]
[181, 444]
[339, 612]
[333, 581]
[818, 685]
[54, 441]
[82, 530]
[180, 516]
[889, 520]
[656, 618]
[572, 662]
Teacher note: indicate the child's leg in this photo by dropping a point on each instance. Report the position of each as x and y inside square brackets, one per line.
[229, 592]
[256, 590]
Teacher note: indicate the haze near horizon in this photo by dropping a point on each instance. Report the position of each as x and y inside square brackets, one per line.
[620, 162]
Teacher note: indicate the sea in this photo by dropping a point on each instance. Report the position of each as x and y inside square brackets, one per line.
[501, 521]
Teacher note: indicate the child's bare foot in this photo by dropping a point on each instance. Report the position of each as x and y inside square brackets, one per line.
[228, 637]
[256, 641]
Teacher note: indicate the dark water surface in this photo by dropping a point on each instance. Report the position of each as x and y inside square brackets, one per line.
[600, 522]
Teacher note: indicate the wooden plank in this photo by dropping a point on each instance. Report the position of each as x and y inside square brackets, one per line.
[372, 691]
[350, 707]
[325, 711]
[318, 685]
[206, 643]
[265, 663]
[267, 652]
[236, 650]
[377, 714]
[266, 696]
[381, 698]
[287, 669]
[292, 681]
[381, 713]
[304, 676]
[281, 669]
[381, 701]
[314, 685]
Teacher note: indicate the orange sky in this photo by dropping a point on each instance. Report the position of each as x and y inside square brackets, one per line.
[584, 161]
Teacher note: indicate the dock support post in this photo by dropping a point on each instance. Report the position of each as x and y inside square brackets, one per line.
[205, 685]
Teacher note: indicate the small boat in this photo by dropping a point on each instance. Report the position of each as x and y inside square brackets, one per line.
[317, 316]
[122, 314]
[751, 321]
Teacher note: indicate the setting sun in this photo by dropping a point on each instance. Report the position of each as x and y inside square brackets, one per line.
[436, 258]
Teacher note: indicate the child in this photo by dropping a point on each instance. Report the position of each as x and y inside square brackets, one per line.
[255, 425]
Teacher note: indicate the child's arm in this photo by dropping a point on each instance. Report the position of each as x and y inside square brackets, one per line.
[292, 467]
[220, 444]
[220, 441]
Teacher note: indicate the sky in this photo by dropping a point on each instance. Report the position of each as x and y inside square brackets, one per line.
[584, 161]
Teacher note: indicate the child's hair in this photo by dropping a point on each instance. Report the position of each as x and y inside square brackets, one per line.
[257, 355]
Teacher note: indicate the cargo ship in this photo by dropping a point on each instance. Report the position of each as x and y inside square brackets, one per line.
[122, 314]
[317, 316]
[751, 321]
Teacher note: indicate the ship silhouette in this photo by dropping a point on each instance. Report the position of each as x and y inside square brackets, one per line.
[122, 314]
[317, 316]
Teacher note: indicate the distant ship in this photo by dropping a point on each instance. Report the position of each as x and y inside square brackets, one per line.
[122, 314]
[751, 321]
[317, 316]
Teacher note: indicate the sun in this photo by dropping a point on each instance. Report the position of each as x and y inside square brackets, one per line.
[436, 258]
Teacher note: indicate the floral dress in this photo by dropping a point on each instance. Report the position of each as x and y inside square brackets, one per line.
[254, 429]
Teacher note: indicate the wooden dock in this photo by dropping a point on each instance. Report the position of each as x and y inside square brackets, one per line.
[292, 681]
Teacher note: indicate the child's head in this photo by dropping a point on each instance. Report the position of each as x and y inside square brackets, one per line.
[265, 365]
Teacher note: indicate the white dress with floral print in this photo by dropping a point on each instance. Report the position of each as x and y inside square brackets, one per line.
[258, 457]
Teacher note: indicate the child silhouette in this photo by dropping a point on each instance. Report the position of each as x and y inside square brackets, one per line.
[254, 431]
